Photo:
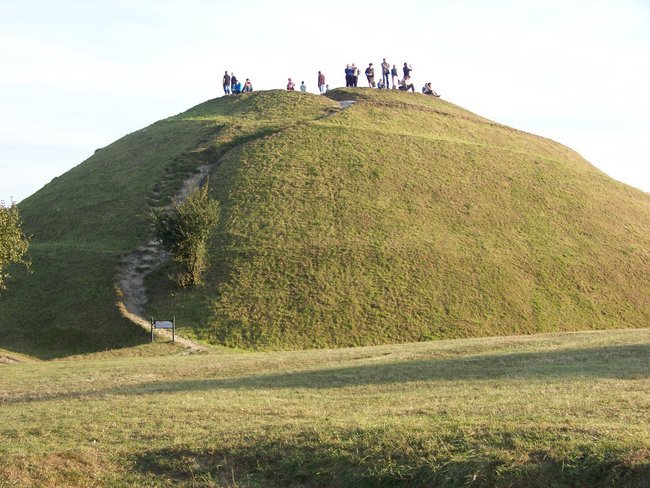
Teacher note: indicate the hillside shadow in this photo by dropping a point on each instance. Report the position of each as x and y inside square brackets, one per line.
[378, 457]
[615, 362]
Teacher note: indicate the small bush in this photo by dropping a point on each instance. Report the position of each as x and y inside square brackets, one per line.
[184, 230]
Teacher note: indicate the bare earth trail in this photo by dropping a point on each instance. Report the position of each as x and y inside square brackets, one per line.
[136, 266]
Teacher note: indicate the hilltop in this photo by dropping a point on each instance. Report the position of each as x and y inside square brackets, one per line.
[399, 218]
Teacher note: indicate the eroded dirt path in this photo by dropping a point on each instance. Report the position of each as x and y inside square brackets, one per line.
[136, 266]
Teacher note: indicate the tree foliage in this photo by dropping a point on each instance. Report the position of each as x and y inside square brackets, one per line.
[13, 243]
[184, 230]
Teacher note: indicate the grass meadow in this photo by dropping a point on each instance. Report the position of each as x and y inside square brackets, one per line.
[551, 410]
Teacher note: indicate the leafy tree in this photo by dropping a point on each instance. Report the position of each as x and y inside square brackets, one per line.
[184, 230]
[13, 243]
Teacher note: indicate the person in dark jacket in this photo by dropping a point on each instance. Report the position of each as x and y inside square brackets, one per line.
[348, 75]
[407, 70]
[370, 75]
[428, 90]
[394, 75]
[226, 83]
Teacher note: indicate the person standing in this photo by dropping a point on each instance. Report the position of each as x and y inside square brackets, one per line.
[226, 83]
[394, 75]
[303, 87]
[407, 70]
[385, 71]
[348, 75]
[321, 82]
[355, 75]
[233, 82]
[370, 75]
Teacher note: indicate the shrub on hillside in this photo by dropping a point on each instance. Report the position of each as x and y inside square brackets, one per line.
[184, 230]
[13, 243]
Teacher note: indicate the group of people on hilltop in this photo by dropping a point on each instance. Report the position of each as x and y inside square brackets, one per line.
[322, 87]
[388, 74]
[291, 86]
[232, 86]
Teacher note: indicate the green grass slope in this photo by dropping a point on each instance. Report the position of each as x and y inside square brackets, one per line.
[401, 218]
[85, 221]
[556, 410]
[407, 218]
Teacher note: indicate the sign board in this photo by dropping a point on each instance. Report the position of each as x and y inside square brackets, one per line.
[163, 324]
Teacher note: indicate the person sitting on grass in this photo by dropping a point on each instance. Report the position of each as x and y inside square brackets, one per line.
[236, 87]
[291, 86]
[427, 90]
[406, 85]
[248, 86]
[303, 87]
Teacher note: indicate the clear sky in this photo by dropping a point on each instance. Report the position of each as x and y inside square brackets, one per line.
[76, 75]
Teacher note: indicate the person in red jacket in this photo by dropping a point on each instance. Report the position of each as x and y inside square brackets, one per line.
[321, 82]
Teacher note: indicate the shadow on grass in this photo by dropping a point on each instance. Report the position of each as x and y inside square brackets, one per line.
[616, 362]
[384, 457]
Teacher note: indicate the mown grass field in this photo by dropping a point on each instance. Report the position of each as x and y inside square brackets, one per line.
[569, 409]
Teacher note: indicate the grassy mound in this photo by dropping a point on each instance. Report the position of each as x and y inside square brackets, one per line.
[559, 410]
[400, 218]
[406, 218]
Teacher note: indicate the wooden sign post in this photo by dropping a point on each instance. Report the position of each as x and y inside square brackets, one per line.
[164, 324]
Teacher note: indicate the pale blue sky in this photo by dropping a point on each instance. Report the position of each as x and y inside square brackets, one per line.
[77, 75]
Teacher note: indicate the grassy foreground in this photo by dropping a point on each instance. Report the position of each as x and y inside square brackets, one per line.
[550, 410]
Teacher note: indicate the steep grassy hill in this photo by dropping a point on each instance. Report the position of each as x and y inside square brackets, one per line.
[400, 218]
